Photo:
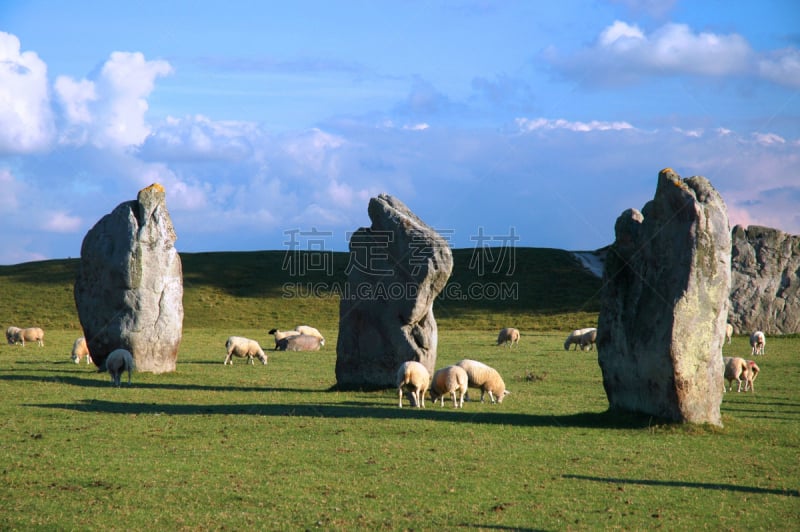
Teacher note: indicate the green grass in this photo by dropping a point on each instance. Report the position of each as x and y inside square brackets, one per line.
[255, 447]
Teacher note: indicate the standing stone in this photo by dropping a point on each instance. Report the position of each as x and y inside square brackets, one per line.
[665, 302]
[397, 268]
[765, 295]
[129, 289]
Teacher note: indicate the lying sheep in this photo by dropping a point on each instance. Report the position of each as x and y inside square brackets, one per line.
[310, 331]
[450, 380]
[728, 332]
[581, 337]
[299, 342]
[118, 361]
[243, 347]
[735, 370]
[80, 350]
[280, 335]
[12, 335]
[752, 373]
[508, 336]
[414, 378]
[479, 375]
[757, 343]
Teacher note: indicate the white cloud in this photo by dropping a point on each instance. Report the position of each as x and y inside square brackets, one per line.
[781, 67]
[25, 114]
[61, 222]
[526, 124]
[768, 138]
[75, 97]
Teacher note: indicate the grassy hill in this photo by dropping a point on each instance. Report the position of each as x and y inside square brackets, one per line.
[536, 289]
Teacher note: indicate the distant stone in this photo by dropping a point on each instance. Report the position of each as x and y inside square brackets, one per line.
[129, 288]
[766, 281]
[664, 304]
[397, 267]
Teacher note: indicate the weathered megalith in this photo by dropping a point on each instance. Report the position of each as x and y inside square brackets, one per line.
[664, 304]
[129, 288]
[765, 293]
[397, 267]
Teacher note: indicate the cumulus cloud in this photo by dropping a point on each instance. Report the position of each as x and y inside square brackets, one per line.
[781, 67]
[25, 113]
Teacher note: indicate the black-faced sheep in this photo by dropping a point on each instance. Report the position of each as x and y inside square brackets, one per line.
[452, 381]
[119, 360]
[757, 342]
[280, 335]
[243, 347]
[508, 336]
[486, 378]
[735, 370]
[299, 342]
[581, 337]
[414, 378]
[310, 331]
[80, 350]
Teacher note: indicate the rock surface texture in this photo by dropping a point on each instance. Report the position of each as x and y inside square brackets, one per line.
[129, 288]
[665, 303]
[765, 293]
[397, 267]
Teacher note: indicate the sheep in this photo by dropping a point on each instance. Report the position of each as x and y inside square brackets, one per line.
[450, 380]
[243, 347]
[479, 375]
[757, 343]
[31, 334]
[581, 337]
[299, 342]
[752, 373]
[12, 335]
[728, 332]
[414, 378]
[118, 361]
[735, 369]
[81, 350]
[280, 335]
[310, 331]
[508, 336]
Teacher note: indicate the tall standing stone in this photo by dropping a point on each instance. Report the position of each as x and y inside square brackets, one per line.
[129, 288]
[665, 302]
[397, 267]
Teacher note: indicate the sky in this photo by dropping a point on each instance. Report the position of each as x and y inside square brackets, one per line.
[271, 124]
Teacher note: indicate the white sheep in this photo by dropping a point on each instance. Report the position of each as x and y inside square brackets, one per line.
[12, 335]
[728, 332]
[735, 370]
[752, 373]
[243, 347]
[581, 337]
[80, 350]
[508, 336]
[757, 342]
[310, 331]
[413, 377]
[280, 335]
[450, 380]
[479, 375]
[119, 360]
[299, 342]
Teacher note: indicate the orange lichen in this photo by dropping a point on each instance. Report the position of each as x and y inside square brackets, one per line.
[155, 186]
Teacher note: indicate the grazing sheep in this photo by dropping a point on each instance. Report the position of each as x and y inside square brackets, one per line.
[581, 337]
[12, 335]
[757, 343]
[728, 332]
[735, 369]
[479, 375]
[299, 342]
[508, 336]
[752, 373]
[118, 361]
[243, 347]
[80, 350]
[450, 380]
[31, 334]
[280, 335]
[414, 378]
[310, 331]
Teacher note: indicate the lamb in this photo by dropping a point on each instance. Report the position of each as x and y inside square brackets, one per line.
[310, 331]
[81, 350]
[243, 347]
[479, 375]
[735, 369]
[757, 343]
[299, 342]
[752, 373]
[280, 335]
[508, 336]
[12, 335]
[581, 337]
[118, 361]
[450, 380]
[728, 332]
[413, 377]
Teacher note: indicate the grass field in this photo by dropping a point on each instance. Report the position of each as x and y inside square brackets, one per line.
[273, 448]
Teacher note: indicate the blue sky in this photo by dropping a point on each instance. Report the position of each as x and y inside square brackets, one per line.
[263, 120]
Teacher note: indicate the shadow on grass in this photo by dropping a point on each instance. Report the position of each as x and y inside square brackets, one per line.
[683, 484]
[105, 383]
